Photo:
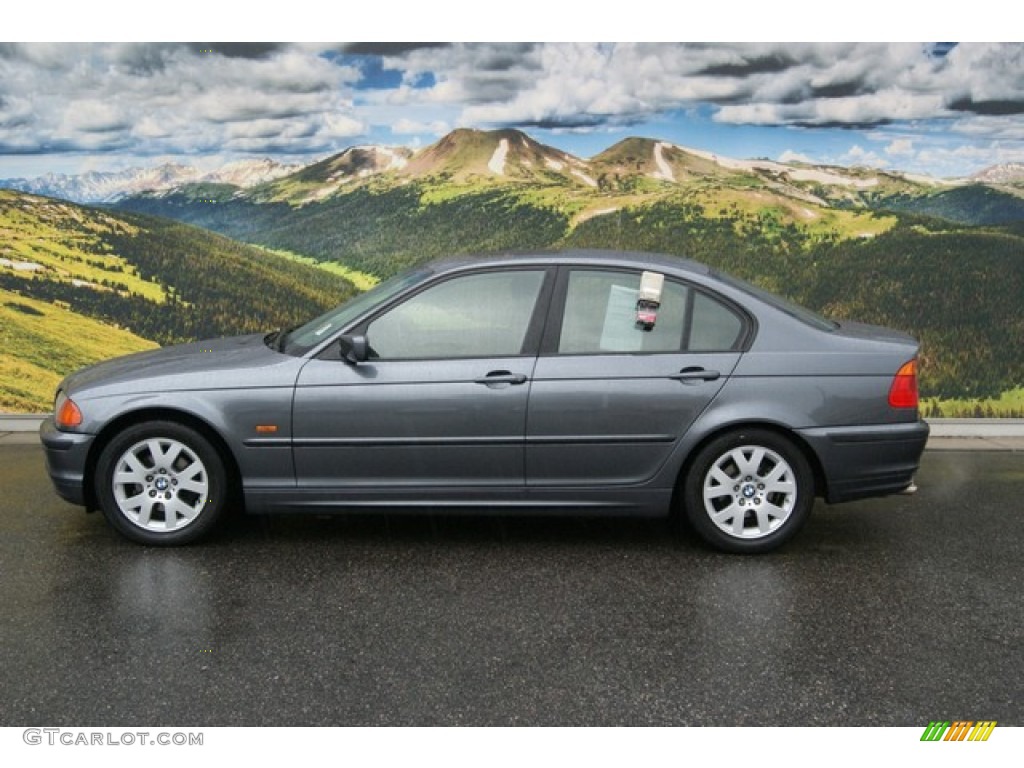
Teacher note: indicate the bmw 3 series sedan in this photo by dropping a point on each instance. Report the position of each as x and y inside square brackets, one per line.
[582, 382]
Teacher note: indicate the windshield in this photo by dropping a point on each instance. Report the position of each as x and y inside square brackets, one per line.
[803, 314]
[302, 339]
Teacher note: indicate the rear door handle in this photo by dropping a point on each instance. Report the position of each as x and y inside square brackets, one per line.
[501, 377]
[695, 374]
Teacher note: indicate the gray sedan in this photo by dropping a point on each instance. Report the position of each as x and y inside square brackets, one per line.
[583, 382]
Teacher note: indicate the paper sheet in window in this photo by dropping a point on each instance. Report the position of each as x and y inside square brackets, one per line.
[620, 333]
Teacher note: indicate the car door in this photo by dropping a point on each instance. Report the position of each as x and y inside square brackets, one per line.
[609, 400]
[441, 401]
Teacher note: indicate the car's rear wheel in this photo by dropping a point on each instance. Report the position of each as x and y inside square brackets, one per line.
[749, 491]
[161, 483]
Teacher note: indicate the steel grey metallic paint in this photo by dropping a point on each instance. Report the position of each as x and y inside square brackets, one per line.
[550, 433]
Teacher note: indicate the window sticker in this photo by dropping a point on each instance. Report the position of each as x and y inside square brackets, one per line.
[648, 300]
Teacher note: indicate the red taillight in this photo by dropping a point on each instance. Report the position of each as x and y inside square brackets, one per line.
[68, 414]
[903, 392]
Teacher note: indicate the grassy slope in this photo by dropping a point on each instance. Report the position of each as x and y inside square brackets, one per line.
[1009, 404]
[363, 281]
[106, 283]
[69, 243]
[42, 342]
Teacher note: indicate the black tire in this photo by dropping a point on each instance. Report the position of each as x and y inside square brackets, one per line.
[766, 501]
[182, 488]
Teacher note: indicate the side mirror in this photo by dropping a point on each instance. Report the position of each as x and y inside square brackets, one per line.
[354, 349]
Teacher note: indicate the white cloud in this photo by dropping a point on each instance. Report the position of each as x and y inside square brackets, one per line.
[957, 161]
[789, 156]
[884, 106]
[169, 98]
[341, 126]
[172, 99]
[996, 128]
[93, 116]
[847, 84]
[406, 126]
[858, 155]
[900, 148]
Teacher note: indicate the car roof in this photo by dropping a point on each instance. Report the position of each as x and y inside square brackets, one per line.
[578, 256]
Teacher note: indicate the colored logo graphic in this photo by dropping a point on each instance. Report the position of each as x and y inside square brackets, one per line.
[959, 730]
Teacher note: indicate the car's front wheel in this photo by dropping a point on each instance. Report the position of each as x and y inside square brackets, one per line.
[749, 491]
[161, 483]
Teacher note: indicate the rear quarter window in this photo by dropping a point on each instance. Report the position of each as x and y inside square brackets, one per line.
[714, 327]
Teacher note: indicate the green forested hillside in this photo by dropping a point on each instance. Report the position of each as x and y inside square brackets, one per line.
[217, 286]
[958, 289]
[852, 242]
[142, 279]
[973, 204]
[378, 231]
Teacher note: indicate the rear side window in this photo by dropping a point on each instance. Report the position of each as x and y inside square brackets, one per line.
[600, 315]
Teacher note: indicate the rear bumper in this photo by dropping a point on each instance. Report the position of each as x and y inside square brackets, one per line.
[861, 462]
[66, 454]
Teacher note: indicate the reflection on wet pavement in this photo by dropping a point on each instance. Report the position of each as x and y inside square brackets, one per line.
[892, 611]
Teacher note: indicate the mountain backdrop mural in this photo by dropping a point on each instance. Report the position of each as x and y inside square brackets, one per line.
[103, 262]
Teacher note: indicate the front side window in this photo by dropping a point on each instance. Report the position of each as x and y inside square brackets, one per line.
[302, 339]
[601, 315]
[486, 314]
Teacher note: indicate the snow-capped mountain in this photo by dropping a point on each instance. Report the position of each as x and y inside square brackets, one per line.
[249, 173]
[1004, 173]
[101, 187]
[326, 177]
[106, 187]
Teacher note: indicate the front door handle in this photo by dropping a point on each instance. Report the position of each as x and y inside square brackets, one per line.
[501, 377]
[695, 374]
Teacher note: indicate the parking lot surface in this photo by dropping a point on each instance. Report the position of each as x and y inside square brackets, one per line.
[895, 611]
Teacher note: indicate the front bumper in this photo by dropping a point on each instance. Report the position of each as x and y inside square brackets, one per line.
[861, 462]
[66, 454]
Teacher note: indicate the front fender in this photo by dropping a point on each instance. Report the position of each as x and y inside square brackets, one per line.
[238, 417]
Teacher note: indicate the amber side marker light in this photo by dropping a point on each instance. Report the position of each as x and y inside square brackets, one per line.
[903, 392]
[266, 429]
[69, 414]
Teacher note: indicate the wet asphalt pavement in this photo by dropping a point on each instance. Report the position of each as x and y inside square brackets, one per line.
[888, 612]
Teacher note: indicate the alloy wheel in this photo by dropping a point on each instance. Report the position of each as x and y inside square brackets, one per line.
[160, 484]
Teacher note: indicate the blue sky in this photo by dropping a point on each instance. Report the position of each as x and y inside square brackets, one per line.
[939, 109]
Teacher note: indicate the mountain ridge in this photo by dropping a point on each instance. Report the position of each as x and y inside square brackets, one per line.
[465, 161]
[470, 154]
[1002, 173]
[110, 186]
